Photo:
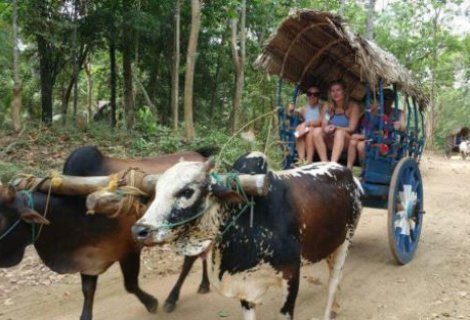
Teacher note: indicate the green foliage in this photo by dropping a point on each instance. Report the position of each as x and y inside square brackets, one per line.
[403, 28]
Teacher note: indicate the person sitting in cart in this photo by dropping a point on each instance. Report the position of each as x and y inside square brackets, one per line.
[357, 145]
[341, 116]
[312, 116]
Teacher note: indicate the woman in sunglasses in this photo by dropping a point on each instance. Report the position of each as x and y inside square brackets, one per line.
[312, 117]
[341, 117]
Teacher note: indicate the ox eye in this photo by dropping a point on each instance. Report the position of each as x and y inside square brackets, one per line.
[186, 193]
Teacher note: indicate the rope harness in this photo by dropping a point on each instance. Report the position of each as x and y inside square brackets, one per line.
[131, 178]
[34, 237]
[230, 180]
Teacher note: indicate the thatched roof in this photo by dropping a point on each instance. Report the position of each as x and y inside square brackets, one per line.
[313, 47]
[460, 131]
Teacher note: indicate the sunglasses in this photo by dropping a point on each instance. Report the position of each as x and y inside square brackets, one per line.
[312, 94]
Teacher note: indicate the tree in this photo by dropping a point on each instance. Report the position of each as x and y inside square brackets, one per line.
[190, 66]
[16, 101]
[369, 34]
[75, 59]
[48, 62]
[127, 46]
[176, 67]
[239, 62]
[112, 76]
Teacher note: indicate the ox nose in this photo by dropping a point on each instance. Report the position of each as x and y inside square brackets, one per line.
[141, 232]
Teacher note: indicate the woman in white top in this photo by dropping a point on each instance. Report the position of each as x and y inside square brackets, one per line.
[312, 117]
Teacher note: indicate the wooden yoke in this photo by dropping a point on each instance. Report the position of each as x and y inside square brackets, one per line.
[122, 192]
[74, 186]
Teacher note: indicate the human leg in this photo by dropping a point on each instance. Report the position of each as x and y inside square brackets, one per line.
[341, 141]
[300, 141]
[352, 153]
[310, 145]
[319, 143]
[361, 150]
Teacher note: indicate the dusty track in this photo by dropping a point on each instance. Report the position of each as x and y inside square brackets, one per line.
[436, 284]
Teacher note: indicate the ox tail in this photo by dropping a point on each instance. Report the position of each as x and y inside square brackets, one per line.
[359, 186]
[357, 208]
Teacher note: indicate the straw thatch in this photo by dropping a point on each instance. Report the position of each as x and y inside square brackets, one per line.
[460, 131]
[312, 47]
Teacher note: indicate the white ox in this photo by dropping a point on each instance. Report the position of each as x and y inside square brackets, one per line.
[464, 148]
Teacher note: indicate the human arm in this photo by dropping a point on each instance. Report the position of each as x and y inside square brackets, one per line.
[354, 115]
[400, 124]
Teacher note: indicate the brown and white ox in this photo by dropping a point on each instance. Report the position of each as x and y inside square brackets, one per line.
[309, 212]
[72, 241]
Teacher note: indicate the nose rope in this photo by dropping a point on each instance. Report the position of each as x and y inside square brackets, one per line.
[10, 229]
[231, 178]
[33, 226]
[29, 197]
[179, 223]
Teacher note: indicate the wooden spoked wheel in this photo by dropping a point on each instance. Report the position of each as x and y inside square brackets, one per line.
[405, 210]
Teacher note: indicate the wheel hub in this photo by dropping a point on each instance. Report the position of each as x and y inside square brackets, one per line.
[407, 205]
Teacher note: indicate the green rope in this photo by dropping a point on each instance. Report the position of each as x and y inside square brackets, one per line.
[29, 197]
[176, 224]
[231, 179]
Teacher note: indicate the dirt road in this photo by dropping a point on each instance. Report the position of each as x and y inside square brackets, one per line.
[436, 284]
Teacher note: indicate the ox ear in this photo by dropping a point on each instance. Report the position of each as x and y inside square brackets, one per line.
[31, 216]
[225, 194]
[7, 194]
[209, 165]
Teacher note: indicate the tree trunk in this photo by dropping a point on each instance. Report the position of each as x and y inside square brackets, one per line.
[432, 110]
[47, 81]
[342, 7]
[112, 78]
[75, 62]
[47, 66]
[65, 101]
[16, 102]
[190, 66]
[369, 34]
[128, 89]
[89, 88]
[216, 83]
[176, 68]
[239, 61]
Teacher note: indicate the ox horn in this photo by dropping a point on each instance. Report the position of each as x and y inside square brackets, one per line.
[208, 165]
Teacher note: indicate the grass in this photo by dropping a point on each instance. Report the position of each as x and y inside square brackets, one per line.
[40, 149]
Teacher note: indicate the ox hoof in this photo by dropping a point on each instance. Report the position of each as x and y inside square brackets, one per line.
[203, 289]
[169, 306]
[152, 306]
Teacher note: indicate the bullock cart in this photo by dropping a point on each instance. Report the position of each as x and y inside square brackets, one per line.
[315, 48]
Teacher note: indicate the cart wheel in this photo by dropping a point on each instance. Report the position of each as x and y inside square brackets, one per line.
[405, 210]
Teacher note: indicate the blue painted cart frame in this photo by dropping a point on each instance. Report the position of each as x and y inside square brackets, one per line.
[390, 176]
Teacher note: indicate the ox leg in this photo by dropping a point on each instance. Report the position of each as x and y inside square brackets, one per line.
[130, 267]
[292, 275]
[335, 263]
[248, 310]
[204, 287]
[170, 303]
[88, 289]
